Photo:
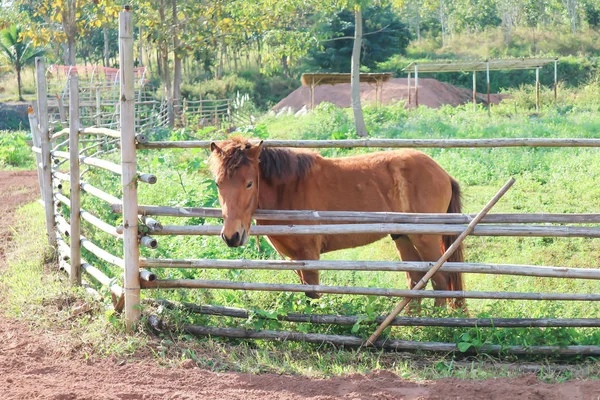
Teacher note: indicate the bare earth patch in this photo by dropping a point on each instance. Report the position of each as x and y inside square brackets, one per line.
[32, 367]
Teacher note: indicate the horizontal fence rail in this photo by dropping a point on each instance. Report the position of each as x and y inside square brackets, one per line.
[383, 229]
[396, 266]
[328, 319]
[373, 217]
[284, 287]
[389, 344]
[391, 143]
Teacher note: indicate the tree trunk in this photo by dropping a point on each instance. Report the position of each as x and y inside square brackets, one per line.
[221, 57]
[19, 84]
[106, 51]
[359, 121]
[284, 66]
[259, 58]
[141, 47]
[71, 43]
[177, 77]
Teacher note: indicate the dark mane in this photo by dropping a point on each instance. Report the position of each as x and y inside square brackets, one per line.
[281, 164]
[276, 164]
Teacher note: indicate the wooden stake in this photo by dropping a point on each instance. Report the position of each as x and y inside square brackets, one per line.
[75, 202]
[423, 282]
[42, 113]
[129, 177]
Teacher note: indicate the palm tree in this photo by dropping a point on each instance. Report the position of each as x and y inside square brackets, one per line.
[19, 52]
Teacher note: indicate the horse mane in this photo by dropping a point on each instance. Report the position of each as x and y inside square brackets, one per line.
[276, 164]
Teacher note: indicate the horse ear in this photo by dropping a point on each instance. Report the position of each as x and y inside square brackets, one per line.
[254, 151]
[215, 149]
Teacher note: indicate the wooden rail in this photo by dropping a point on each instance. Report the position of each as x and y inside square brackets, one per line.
[392, 143]
[283, 287]
[371, 217]
[328, 319]
[395, 266]
[383, 229]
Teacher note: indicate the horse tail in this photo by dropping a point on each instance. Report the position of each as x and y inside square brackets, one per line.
[455, 278]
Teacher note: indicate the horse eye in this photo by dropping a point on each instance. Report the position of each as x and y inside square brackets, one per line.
[249, 185]
[216, 184]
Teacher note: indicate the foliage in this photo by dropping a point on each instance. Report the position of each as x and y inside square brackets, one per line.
[263, 91]
[18, 51]
[384, 36]
[14, 151]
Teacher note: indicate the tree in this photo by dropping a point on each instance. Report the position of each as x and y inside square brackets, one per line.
[385, 36]
[18, 51]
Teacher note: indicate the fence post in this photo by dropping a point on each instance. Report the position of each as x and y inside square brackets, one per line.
[42, 112]
[35, 138]
[129, 178]
[75, 197]
[98, 108]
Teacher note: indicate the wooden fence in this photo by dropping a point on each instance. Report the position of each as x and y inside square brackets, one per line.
[138, 229]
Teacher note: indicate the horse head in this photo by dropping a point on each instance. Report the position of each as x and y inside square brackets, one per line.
[235, 166]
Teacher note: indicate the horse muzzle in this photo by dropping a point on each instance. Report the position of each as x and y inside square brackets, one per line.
[236, 240]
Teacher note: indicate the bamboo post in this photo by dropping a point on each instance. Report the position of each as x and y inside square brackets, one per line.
[42, 101]
[61, 109]
[537, 89]
[408, 86]
[129, 177]
[416, 86]
[98, 108]
[555, 79]
[75, 202]
[487, 78]
[474, 91]
[423, 282]
[35, 138]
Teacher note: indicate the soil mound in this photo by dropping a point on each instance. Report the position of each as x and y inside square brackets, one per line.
[432, 93]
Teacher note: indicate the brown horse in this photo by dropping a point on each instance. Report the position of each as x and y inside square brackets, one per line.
[249, 177]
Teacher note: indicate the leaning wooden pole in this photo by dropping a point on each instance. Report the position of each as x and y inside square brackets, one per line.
[42, 114]
[131, 248]
[75, 197]
[423, 282]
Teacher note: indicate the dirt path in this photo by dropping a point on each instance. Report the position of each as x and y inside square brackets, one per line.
[32, 368]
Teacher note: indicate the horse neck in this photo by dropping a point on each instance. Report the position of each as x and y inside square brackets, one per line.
[276, 195]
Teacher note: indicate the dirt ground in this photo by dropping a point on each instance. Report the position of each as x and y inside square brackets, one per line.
[32, 367]
[432, 93]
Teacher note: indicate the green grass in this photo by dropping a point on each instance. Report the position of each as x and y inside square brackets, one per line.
[14, 151]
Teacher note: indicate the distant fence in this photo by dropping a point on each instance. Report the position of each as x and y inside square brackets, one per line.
[139, 229]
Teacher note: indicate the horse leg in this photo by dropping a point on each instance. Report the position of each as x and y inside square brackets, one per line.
[429, 248]
[407, 252]
[309, 276]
